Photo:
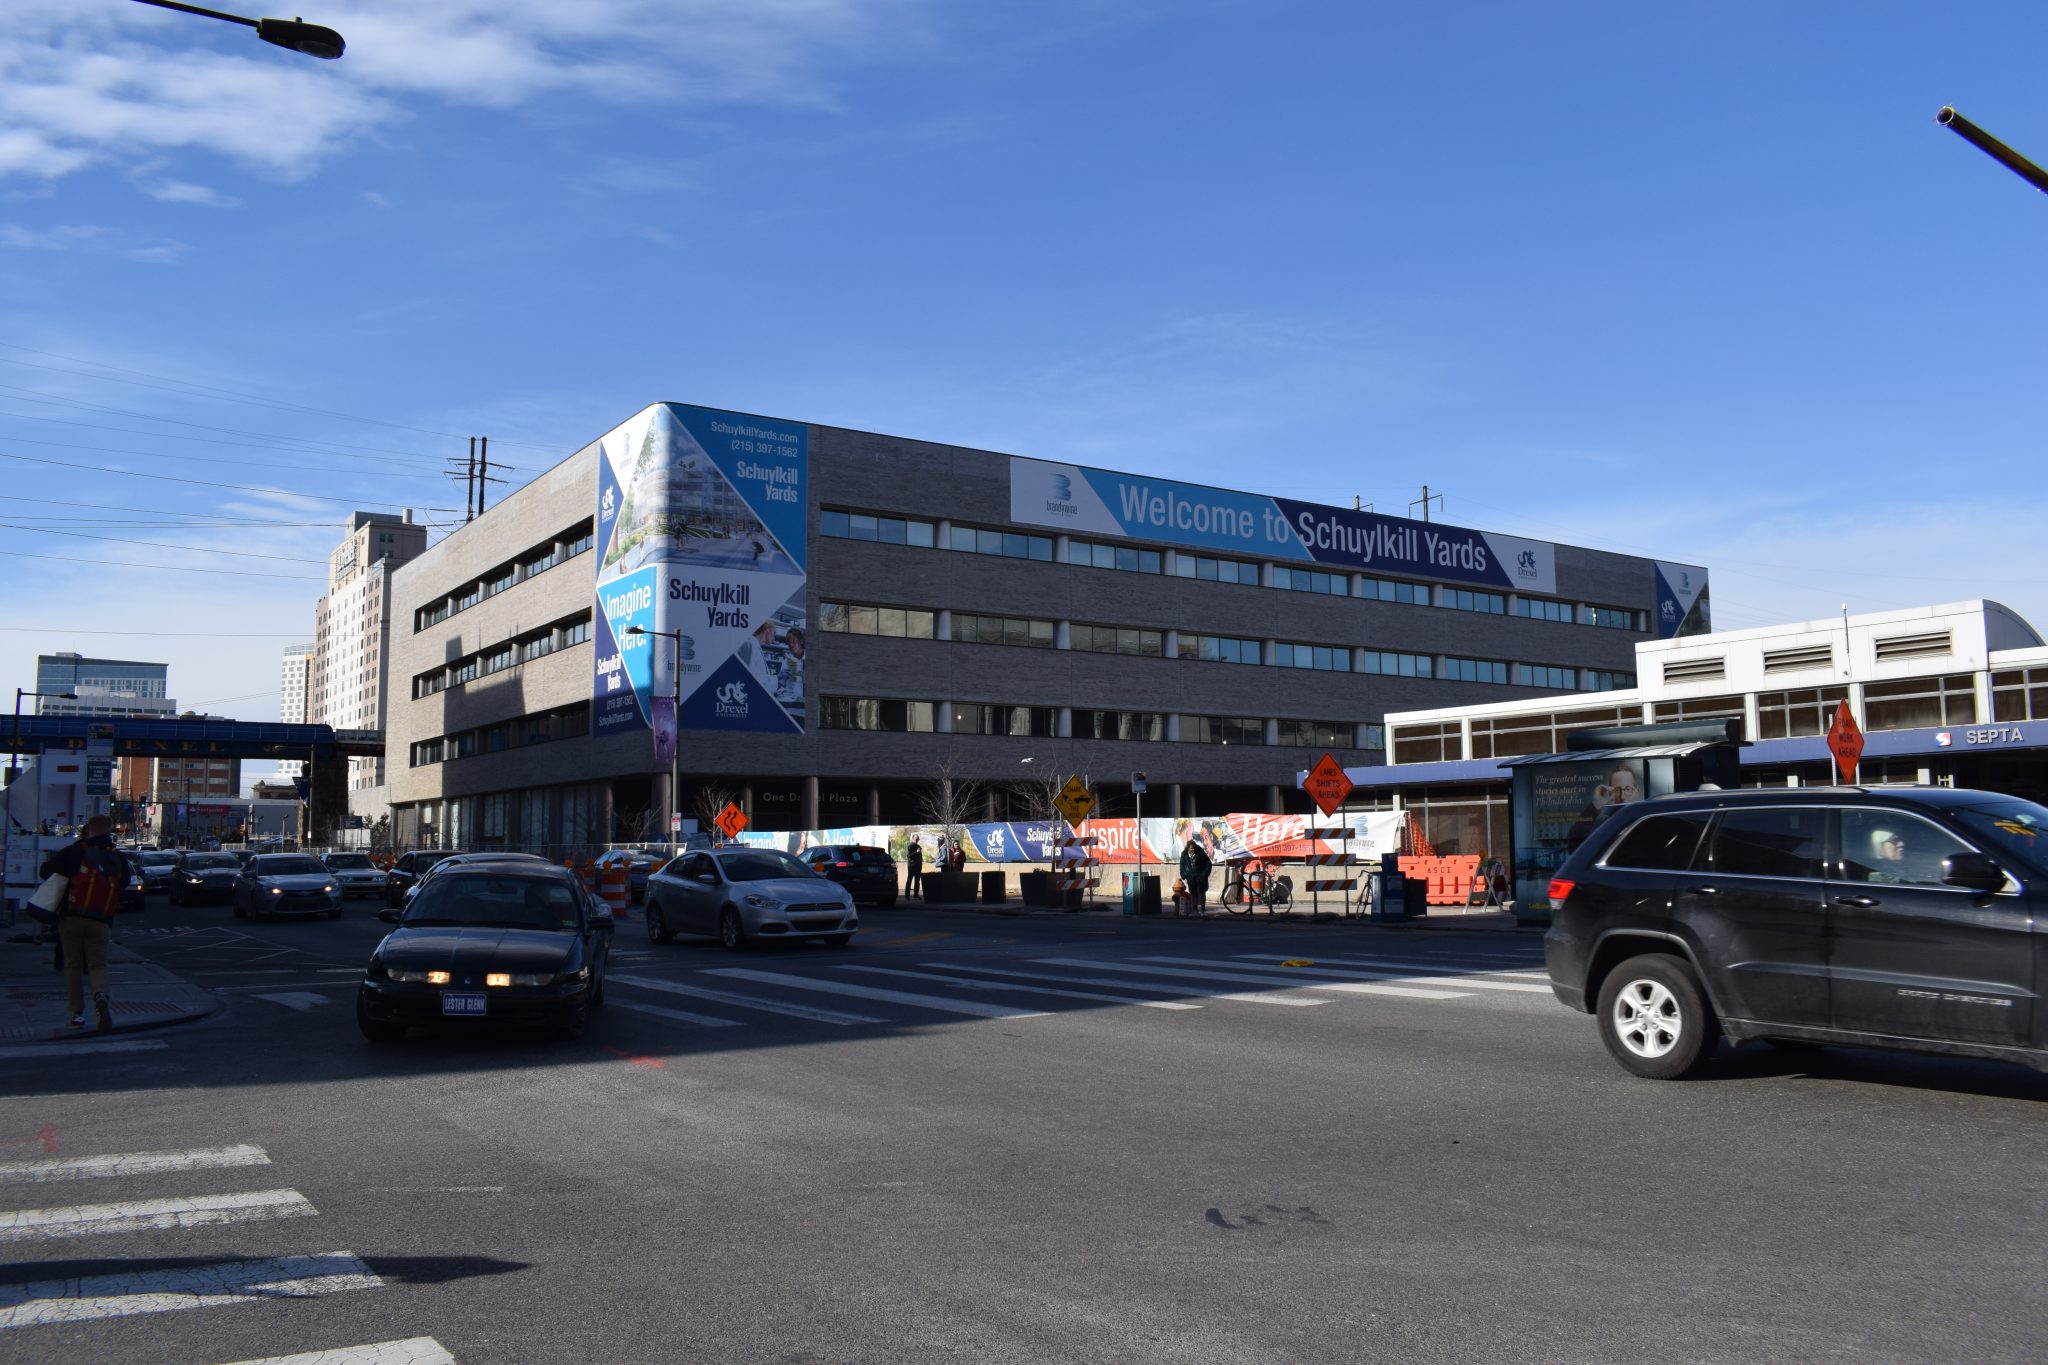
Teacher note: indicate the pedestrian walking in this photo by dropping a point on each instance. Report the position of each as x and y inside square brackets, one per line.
[956, 857]
[1194, 870]
[95, 872]
[913, 885]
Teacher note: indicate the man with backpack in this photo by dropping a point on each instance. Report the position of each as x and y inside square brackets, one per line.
[96, 873]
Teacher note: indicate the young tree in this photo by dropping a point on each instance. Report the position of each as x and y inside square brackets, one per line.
[951, 801]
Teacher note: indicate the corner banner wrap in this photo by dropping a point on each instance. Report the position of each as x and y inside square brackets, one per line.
[700, 530]
[1682, 605]
[1101, 502]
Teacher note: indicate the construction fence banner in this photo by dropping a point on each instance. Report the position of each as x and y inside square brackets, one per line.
[1272, 838]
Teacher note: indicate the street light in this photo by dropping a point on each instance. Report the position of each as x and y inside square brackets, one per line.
[14, 740]
[675, 756]
[296, 34]
[1969, 132]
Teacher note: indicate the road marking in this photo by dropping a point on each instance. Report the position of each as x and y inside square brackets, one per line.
[1241, 977]
[930, 1002]
[66, 1048]
[752, 1002]
[129, 1163]
[167, 1291]
[1475, 980]
[1015, 986]
[1275, 976]
[885, 939]
[347, 971]
[411, 1351]
[1250, 997]
[247, 971]
[273, 985]
[680, 1016]
[299, 1000]
[143, 1215]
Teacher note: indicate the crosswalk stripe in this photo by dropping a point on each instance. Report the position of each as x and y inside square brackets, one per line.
[68, 1047]
[143, 1215]
[1243, 978]
[299, 1000]
[411, 1351]
[1249, 997]
[1274, 976]
[167, 1291]
[129, 1163]
[1484, 981]
[680, 1016]
[752, 1002]
[929, 1002]
[1015, 986]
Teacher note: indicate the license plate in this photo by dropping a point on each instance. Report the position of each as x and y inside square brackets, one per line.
[455, 1003]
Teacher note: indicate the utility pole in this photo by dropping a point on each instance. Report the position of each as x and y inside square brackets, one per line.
[483, 470]
[1425, 500]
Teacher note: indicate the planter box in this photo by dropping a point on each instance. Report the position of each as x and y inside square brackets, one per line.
[950, 888]
[1036, 889]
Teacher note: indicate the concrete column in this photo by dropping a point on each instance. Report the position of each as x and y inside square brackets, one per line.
[1066, 723]
[1062, 634]
[1170, 561]
[988, 805]
[943, 628]
[810, 803]
[604, 833]
[747, 799]
[1269, 652]
[1173, 737]
[1059, 548]
[944, 535]
[874, 803]
[1750, 718]
[1269, 574]
[942, 716]
[1272, 735]
[1273, 806]
[1173, 644]
[1173, 799]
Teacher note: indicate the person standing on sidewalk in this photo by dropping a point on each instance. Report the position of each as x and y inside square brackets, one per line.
[1194, 870]
[913, 883]
[96, 873]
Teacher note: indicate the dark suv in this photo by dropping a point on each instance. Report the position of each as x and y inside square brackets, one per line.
[1897, 917]
[869, 873]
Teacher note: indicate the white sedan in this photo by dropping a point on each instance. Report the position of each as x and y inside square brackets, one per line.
[745, 896]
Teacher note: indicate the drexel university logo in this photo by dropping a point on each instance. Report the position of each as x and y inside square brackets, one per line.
[1527, 561]
[607, 506]
[732, 699]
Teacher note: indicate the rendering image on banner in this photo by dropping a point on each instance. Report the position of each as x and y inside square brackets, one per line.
[700, 539]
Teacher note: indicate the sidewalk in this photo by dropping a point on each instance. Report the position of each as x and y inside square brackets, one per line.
[1440, 918]
[144, 996]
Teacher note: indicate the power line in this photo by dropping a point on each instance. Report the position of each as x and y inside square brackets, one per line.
[211, 483]
[245, 464]
[157, 512]
[168, 634]
[158, 544]
[169, 568]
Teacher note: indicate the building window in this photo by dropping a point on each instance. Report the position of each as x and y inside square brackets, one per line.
[1149, 644]
[1002, 630]
[1800, 713]
[1133, 725]
[1546, 609]
[1435, 742]
[1546, 675]
[982, 718]
[1394, 590]
[1613, 618]
[1389, 664]
[1913, 702]
[876, 713]
[2019, 694]
[880, 529]
[1091, 554]
[578, 545]
[1222, 730]
[1475, 670]
[1315, 734]
[1212, 570]
[1606, 679]
[1224, 649]
[1468, 599]
[1699, 708]
[1322, 658]
[980, 540]
[909, 623]
[1312, 580]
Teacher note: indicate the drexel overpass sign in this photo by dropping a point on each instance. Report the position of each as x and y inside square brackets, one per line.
[167, 737]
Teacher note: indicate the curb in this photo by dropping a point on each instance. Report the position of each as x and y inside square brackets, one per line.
[31, 991]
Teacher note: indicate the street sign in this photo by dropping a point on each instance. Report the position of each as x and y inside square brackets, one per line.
[1137, 784]
[99, 777]
[1845, 742]
[731, 821]
[1328, 784]
[1075, 801]
[675, 822]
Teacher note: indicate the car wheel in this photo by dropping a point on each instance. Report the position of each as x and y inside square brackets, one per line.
[1654, 1018]
[731, 932]
[380, 1031]
[657, 924]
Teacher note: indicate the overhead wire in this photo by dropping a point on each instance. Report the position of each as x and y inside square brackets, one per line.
[68, 629]
[158, 544]
[414, 472]
[169, 568]
[214, 483]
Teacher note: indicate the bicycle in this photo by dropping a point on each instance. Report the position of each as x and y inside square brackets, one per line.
[1247, 886]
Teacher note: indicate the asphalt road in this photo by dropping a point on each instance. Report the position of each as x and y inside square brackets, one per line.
[760, 1158]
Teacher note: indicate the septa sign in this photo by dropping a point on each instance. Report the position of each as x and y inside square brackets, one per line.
[1845, 742]
[1328, 785]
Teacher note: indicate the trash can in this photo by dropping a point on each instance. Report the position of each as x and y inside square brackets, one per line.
[1415, 897]
[1141, 893]
[1390, 890]
[994, 888]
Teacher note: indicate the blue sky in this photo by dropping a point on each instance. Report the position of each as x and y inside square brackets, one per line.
[1698, 281]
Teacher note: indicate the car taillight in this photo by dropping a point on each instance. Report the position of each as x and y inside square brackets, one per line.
[842, 864]
[1560, 890]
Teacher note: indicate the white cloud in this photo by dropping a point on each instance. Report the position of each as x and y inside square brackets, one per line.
[91, 240]
[183, 192]
[117, 82]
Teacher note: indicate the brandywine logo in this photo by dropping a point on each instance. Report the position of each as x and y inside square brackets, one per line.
[1062, 487]
[689, 647]
[732, 699]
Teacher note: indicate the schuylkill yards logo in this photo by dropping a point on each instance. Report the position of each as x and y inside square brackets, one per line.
[732, 699]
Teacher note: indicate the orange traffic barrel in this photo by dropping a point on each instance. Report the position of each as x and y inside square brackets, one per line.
[611, 888]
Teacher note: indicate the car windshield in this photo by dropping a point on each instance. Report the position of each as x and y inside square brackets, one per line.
[478, 900]
[2016, 828]
[762, 864]
[199, 862]
[286, 865]
[353, 862]
[152, 859]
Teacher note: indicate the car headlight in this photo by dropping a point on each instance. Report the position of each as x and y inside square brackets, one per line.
[329, 888]
[400, 975]
[762, 902]
[277, 891]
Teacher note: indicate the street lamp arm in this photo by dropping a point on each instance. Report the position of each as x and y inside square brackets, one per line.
[1969, 132]
[313, 40]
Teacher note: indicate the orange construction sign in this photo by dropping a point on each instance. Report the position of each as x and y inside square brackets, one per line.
[1328, 785]
[731, 821]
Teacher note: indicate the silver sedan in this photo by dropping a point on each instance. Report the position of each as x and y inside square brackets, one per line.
[746, 896]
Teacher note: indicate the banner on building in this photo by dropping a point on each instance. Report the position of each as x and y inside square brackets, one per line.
[701, 544]
[1272, 838]
[1682, 604]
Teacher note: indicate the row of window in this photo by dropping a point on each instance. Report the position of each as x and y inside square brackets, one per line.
[522, 648]
[516, 570]
[566, 722]
[984, 540]
[891, 715]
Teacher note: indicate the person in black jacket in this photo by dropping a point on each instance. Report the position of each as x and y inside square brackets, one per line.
[82, 939]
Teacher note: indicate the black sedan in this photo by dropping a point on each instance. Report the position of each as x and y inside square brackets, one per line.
[505, 943]
[157, 869]
[203, 877]
[286, 884]
[409, 868]
[868, 872]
